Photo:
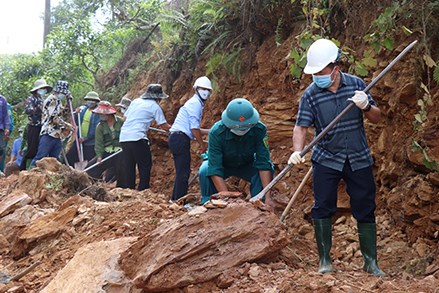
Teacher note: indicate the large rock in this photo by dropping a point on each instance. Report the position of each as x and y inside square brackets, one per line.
[94, 268]
[14, 201]
[190, 250]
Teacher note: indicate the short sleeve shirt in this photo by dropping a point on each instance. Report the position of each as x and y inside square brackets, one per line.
[347, 139]
[139, 116]
[189, 117]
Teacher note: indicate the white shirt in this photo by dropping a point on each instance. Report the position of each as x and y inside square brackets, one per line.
[139, 116]
[189, 116]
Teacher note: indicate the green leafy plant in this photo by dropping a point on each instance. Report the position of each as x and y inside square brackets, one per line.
[426, 160]
[423, 102]
[228, 62]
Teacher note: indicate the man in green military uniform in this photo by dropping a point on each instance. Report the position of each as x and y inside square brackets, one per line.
[237, 147]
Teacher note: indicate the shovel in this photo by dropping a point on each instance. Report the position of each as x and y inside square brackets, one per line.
[5, 279]
[78, 165]
[82, 163]
[270, 185]
[103, 160]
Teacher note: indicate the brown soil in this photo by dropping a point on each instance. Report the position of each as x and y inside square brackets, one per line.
[407, 192]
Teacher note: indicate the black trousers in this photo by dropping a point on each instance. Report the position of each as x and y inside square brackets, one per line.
[360, 186]
[73, 157]
[111, 166]
[180, 146]
[135, 153]
[33, 140]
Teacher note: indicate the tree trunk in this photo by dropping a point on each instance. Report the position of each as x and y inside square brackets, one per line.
[46, 22]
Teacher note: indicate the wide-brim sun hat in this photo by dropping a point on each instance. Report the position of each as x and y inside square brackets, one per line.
[154, 91]
[240, 114]
[39, 84]
[104, 108]
[92, 96]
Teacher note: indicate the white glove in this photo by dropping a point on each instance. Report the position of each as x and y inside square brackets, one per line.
[295, 158]
[360, 100]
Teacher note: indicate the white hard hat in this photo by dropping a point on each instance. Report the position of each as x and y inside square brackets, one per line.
[321, 53]
[203, 82]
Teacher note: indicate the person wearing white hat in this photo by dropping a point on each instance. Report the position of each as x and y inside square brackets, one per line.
[186, 128]
[33, 107]
[343, 154]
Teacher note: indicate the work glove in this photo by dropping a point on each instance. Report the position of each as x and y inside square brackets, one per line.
[295, 158]
[360, 100]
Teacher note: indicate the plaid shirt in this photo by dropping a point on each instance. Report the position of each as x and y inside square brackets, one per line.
[347, 139]
[52, 119]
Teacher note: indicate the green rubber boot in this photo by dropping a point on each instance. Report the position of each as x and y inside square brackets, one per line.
[323, 231]
[367, 233]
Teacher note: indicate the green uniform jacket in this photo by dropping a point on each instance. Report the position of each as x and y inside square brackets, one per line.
[227, 150]
[104, 138]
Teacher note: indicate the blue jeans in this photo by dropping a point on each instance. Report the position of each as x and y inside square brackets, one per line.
[47, 147]
[360, 186]
[248, 173]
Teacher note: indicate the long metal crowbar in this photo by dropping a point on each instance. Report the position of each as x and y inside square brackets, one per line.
[270, 185]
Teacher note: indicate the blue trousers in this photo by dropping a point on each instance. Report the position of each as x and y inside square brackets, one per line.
[360, 186]
[180, 146]
[248, 173]
[47, 147]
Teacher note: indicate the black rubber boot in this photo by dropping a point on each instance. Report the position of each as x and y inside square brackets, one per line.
[323, 231]
[368, 244]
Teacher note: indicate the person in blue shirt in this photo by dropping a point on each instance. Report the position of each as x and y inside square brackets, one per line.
[185, 128]
[135, 145]
[342, 153]
[16, 157]
[237, 147]
[11, 128]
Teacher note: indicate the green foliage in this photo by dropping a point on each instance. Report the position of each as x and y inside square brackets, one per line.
[316, 14]
[426, 160]
[436, 73]
[278, 36]
[228, 62]
[423, 102]
[19, 73]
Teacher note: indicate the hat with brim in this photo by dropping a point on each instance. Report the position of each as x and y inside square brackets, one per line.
[124, 103]
[40, 84]
[154, 91]
[92, 96]
[104, 110]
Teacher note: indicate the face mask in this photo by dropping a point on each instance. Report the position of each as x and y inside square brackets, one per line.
[91, 104]
[323, 81]
[61, 96]
[103, 117]
[240, 132]
[204, 94]
[42, 92]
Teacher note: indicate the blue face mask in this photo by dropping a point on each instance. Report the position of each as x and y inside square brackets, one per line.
[42, 92]
[323, 81]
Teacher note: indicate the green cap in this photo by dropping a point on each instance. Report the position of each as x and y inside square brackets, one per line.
[240, 114]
